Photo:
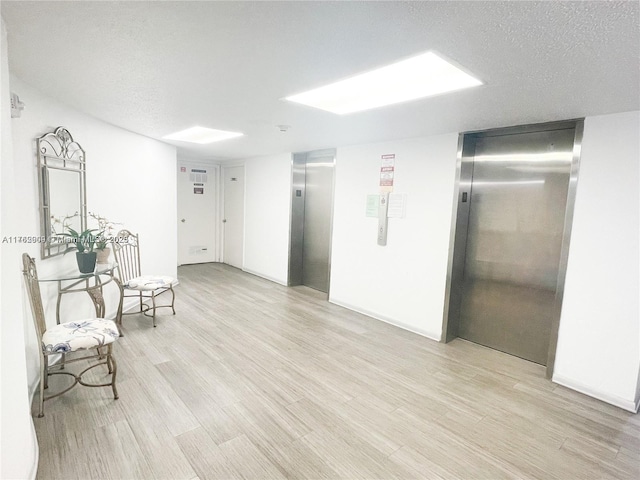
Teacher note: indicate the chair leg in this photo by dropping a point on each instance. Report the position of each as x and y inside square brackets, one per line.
[153, 302]
[141, 301]
[112, 362]
[43, 380]
[173, 299]
[46, 373]
[109, 363]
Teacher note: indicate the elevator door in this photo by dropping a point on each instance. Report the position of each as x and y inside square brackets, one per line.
[317, 222]
[515, 227]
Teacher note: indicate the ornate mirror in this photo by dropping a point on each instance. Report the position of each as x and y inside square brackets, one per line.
[62, 183]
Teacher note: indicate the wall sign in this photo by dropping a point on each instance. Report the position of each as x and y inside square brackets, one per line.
[397, 205]
[372, 205]
[198, 175]
[387, 173]
[386, 176]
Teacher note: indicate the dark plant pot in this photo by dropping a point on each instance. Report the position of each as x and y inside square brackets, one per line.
[86, 261]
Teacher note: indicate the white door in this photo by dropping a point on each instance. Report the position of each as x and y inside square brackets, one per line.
[233, 216]
[196, 213]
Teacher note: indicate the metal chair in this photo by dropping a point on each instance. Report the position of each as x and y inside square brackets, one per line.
[126, 249]
[66, 338]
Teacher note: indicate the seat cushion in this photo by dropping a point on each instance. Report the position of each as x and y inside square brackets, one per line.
[149, 282]
[80, 335]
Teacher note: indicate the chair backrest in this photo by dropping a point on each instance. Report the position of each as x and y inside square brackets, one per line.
[33, 290]
[126, 250]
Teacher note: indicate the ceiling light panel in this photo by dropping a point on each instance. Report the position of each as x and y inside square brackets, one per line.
[416, 77]
[201, 135]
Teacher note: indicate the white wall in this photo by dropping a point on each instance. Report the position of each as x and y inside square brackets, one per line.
[130, 179]
[266, 216]
[404, 282]
[18, 443]
[599, 338]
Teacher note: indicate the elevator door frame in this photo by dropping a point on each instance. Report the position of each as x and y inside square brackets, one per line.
[460, 219]
[296, 226]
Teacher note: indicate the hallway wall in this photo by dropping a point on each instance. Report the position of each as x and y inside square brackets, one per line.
[18, 443]
[404, 282]
[599, 339]
[267, 202]
[131, 179]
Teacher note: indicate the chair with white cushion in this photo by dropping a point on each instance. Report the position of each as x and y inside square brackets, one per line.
[126, 249]
[86, 336]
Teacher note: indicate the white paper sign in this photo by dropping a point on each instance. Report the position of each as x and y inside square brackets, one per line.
[372, 205]
[397, 205]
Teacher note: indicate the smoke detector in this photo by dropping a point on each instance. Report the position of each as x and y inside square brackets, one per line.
[283, 128]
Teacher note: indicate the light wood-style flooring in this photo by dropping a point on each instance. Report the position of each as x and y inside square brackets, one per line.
[254, 380]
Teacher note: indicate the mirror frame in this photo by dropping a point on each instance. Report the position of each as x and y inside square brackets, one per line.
[57, 150]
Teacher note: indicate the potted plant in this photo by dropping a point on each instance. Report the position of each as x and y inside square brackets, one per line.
[102, 250]
[84, 242]
[105, 237]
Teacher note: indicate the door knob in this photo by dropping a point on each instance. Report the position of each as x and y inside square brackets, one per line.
[183, 220]
[224, 221]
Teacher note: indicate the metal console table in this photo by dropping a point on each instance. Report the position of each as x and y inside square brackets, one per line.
[82, 282]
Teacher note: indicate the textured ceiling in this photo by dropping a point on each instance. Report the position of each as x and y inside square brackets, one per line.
[157, 67]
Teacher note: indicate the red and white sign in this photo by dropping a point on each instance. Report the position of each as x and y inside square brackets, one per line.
[387, 171]
[388, 160]
[386, 176]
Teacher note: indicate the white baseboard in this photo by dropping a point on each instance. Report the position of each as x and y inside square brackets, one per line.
[36, 451]
[382, 318]
[33, 471]
[625, 404]
[266, 277]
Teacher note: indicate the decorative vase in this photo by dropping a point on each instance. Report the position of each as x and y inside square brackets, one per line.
[103, 255]
[86, 261]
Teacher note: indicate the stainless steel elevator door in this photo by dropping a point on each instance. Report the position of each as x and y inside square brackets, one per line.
[317, 222]
[514, 239]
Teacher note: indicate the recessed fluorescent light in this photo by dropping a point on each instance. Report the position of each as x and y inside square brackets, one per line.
[417, 77]
[201, 135]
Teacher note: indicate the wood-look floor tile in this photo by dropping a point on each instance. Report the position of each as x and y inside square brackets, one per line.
[247, 459]
[347, 458]
[160, 446]
[419, 465]
[251, 379]
[119, 452]
[267, 421]
[206, 458]
[297, 461]
[627, 465]
[163, 400]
